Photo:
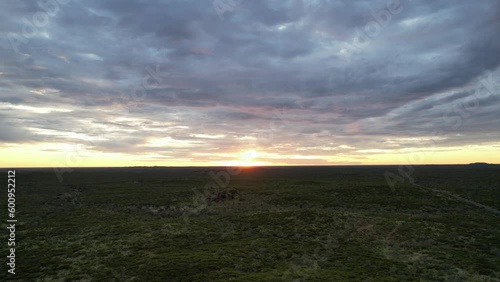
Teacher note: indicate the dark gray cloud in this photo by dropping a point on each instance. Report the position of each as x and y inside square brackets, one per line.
[278, 75]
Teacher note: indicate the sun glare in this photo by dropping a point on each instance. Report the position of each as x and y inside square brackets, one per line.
[247, 158]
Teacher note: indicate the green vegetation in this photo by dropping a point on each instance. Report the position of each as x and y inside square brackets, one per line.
[268, 224]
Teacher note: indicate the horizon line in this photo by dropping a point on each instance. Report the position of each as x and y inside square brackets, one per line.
[250, 166]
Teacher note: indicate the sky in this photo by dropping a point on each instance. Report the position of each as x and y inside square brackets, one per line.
[248, 82]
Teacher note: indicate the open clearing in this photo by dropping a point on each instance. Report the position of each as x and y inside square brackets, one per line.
[267, 224]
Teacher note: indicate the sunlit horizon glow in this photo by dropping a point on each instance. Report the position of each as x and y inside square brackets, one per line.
[270, 83]
[58, 156]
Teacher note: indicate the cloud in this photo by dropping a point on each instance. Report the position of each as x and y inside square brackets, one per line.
[289, 72]
[13, 133]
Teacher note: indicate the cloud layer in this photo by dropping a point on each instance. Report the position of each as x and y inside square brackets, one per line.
[302, 81]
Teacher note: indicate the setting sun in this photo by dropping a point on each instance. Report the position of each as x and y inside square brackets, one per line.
[248, 158]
